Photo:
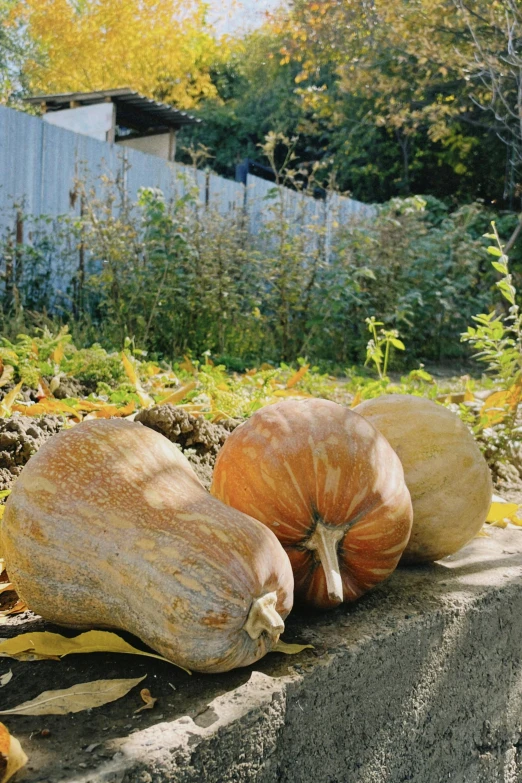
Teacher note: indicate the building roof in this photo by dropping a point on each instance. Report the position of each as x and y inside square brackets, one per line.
[132, 109]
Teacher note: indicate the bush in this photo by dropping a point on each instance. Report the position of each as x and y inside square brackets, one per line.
[178, 278]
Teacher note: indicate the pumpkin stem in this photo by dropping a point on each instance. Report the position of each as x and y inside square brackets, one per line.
[264, 617]
[325, 539]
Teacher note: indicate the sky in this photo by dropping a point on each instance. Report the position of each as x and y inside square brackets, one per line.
[230, 16]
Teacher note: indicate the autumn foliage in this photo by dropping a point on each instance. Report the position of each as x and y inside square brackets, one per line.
[161, 48]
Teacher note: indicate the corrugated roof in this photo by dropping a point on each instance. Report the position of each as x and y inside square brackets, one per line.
[132, 109]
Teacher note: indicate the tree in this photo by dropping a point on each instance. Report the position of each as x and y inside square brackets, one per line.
[15, 48]
[254, 94]
[161, 48]
[401, 66]
[494, 70]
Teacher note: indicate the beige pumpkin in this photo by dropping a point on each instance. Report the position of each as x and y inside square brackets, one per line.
[448, 478]
[108, 526]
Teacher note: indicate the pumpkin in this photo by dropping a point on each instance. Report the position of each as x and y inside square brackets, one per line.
[448, 478]
[329, 486]
[109, 526]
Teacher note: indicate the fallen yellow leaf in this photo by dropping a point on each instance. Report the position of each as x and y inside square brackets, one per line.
[108, 411]
[83, 696]
[356, 400]
[57, 354]
[47, 405]
[500, 510]
[145, 399]
[9, 399]
[17, 608]
[43, 388]
[12, 757]
[187, 365]
[468, 395]
[47, 644]
[290, 393]
[296, 377]
[178, 395]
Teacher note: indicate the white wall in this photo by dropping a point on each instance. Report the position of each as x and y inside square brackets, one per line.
[159, 145]
[96, 121]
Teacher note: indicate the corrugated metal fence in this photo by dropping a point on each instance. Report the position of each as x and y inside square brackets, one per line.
[40, 164]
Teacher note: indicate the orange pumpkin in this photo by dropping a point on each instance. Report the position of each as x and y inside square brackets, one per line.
[329, 486]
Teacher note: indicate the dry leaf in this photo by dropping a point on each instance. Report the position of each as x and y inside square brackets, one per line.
[57, 354]
[47, 405]
[5, 678]
[290, 393]
[187, 365]
[17, 608]
[83, 696]
[296, 377]
[108, 411]
[7, 375]
[44, 390]
[501, 510]
[6, 586]
[468, 394]
[179, 395]
[356, 400]
[145, 399]
[12, 757]
[497, 405]
[290, 649]
[45, 644]
[9, 399]
[149, 701]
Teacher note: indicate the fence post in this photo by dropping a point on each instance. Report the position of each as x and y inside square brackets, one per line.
[80, 274]
[18, 248]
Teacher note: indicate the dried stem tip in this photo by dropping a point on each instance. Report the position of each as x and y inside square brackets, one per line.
[325, 540]
[263, 617]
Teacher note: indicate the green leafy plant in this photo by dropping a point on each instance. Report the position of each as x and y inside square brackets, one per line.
[497, 340]
[378, 348]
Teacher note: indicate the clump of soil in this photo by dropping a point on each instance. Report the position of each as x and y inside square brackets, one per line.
[20, 437]
[198, 438]
[507, 481]
[70, 387]
[29, 395]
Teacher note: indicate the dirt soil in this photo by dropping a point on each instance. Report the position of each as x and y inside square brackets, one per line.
[20, 437]
[199, 440]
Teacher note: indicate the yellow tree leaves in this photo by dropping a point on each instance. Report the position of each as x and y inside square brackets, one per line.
[162, 48]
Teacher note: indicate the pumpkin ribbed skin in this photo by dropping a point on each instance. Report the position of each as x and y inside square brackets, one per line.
[109, 526]
[448, 478]
[329, 486]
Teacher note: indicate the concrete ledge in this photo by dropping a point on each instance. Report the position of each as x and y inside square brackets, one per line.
[420, 681]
